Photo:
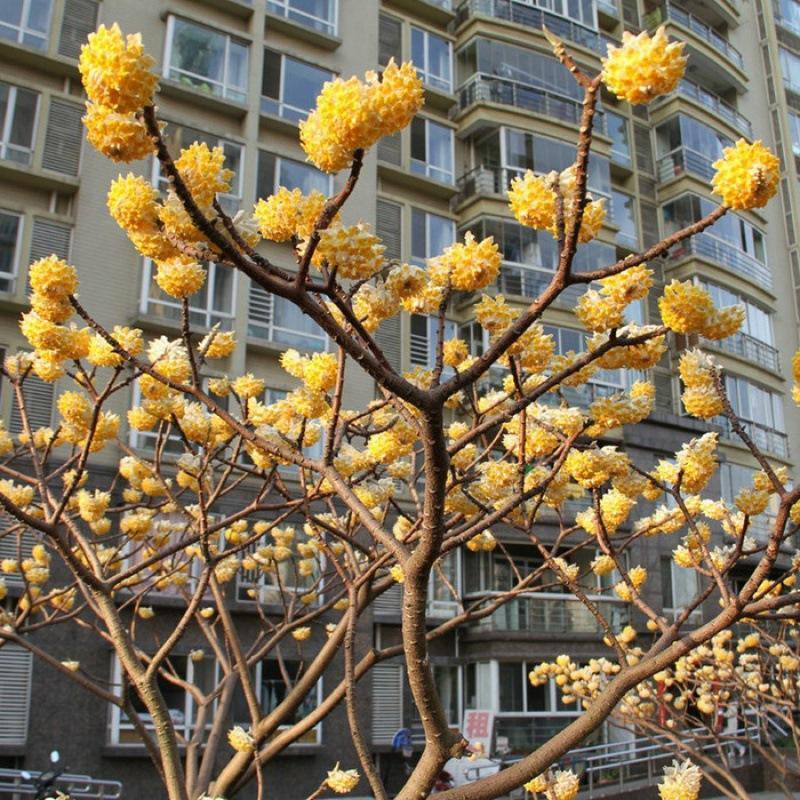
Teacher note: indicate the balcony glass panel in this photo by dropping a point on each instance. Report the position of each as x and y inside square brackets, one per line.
[573, 20]
[617, 127]
[730, 242]
[684, 144]
[714, 103]
[675, 13]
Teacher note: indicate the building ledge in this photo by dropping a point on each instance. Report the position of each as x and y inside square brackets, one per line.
[277, 123]
[180, 91]
[38, 178]
[415, 180]
[238, 8]
[326, 41]
[438, 98]
[43, 60]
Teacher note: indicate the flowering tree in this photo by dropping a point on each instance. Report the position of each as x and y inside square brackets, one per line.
[467, 456]
[729, 697]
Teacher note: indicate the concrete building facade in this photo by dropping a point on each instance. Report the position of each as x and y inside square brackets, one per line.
[242, 73]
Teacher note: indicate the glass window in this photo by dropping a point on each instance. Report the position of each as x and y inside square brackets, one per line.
[787, 13]
[620, 143]
[432, 56]
[757, 322]
[18, 108]
[289, 88]
[447, 682]
[754, 403]
[213, 304]
[26, 21]
[790, 67]
[275, 319]
[276, 171]
[512, 687]
[679, 587]
[180, 703]
[319, 15]
[206, 60]
[10, 237]
[794, 132]
[624, 217]
[432, 149]
[424, 338]
[430, 234]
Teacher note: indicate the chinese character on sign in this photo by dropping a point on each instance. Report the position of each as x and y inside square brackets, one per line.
[478, 729]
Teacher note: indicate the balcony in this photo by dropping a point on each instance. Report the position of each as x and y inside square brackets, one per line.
[765, 438]
[520, 13]
[749, 348]
[684, 160]
[718, 251]
[482, 88]
[706, 45]
[713, 103]
[530, 282]
[546, 613]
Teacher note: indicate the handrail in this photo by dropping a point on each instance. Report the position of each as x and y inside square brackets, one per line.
[521, 13]
[697, 26]
[80, 787]
[483, 87]
[711, 101]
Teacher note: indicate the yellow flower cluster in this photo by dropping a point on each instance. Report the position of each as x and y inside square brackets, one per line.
[640, 356]
[747, 175]
[561, 785]
[342, 781]
[796, 377]
[615, 506]
[681, 781]
[532, 198]
[605, 309]
[240, 740]
[180, 277]
[352, 250]
[482, 542]
[687, 308]
[592, 468]
[118, 78]
[644, 67]
[218, 344]
[625, 408]
[102, 354]
[318, 372]
[700, 396]
[466, 267]
[543, 424]
[203, 172]
[350, 114]
[287, 214]
[697, 463]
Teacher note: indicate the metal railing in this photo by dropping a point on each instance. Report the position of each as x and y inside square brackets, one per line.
[531, 282]
[682, 160]
[529, 16]
[707, 246]
[749, 348]
[483, 88]
[670, 11]
[13, 786]
[765, 438]
[600, 767]
[550, 613]
[713, 103]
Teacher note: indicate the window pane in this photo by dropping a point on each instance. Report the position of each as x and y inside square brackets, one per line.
[9, 230]
[223, 290]
[271, 75]
[237, 66]
[440, 149]
[441, 232]
[302, 84]
[296, 175]
[11, 12]
[39, 15]
[199, 51]
[511, 687]
[418, 150]
[418, 47]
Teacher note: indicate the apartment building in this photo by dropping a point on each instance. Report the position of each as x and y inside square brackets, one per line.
[242, 73]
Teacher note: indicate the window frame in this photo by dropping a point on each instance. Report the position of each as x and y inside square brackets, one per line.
[285, 9]
[429, 216]
[279, 161]
[428, 78]
[229, 92]
[270, 327]
[7, 124]
[267, 104]
[24, 29]
[11, 276]
[212, 316]
[674, 611]
[427, 168]
[116, 724]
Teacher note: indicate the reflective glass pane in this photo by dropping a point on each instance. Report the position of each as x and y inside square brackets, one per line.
[302, 84]
[199, 51]
[9, 230]
[296, 175]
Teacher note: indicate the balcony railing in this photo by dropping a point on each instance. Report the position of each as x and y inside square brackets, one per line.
[682, 160]
[531, 282]
[726, 255]
[749, 348]
[713, 103]
[529, 16]
[551, 613]
[765, 438]
[699, 28]
[482, 88]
